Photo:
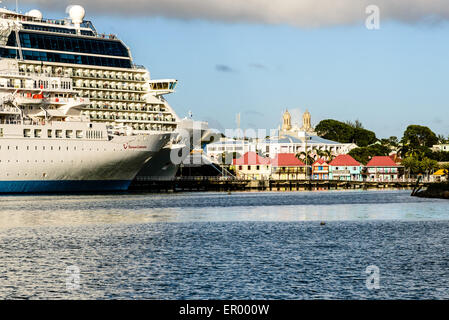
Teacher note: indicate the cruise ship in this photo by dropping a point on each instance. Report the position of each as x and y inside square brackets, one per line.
[101, 70]
[47, 145]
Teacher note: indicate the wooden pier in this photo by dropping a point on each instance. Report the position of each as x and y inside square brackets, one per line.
[188, 184]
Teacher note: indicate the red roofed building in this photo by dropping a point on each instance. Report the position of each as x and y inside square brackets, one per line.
[345, 167]
[320, 170]
[382, 168]
[285, 166]
[252, 166]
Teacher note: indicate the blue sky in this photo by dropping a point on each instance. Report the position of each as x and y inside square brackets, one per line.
[385, 78]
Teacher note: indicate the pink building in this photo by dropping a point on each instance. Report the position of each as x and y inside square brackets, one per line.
[382, 168]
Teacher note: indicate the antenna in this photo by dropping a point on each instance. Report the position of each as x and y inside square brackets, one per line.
[17, 6]
[237, 120]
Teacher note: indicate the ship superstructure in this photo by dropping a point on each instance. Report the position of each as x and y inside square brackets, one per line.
[100, 67]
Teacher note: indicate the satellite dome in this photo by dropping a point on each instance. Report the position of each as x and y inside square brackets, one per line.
[77, 14]
[35, 14]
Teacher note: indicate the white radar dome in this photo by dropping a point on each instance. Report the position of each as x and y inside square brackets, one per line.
[77, 14]
[35, 14]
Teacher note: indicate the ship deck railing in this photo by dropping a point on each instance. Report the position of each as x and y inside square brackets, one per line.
[33, 74]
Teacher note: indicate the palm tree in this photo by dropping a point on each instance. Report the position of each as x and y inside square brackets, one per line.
[329, 155]
[441, 139]
[306, 156]
[428, 165]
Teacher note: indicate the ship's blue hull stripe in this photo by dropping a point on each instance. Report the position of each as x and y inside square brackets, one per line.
[63, 186]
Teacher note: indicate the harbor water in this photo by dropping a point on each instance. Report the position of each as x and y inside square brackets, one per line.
[224, 246]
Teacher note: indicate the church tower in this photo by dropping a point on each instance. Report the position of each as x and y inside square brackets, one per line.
[306, 122]
[286, 121]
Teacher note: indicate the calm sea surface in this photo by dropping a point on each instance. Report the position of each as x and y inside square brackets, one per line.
[220, 246]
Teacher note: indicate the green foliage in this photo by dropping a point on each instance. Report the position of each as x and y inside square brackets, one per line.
[392, 142]
[440, 156]
[364, 154]
[427, 165]
[345, 133]
[411, 165]
[415, 166]
[306, 157]
[416, 136]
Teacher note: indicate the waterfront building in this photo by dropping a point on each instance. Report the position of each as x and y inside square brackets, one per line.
[441, 147]
[308, 143]
[295, 139]
[252, 166]
[237, 147]
[291, 139]
[320, 170]
[345, 167]
[440, 175]
[286, 166]
[382, 168]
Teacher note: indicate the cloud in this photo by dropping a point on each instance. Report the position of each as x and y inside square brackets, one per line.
[258, 66]
[223, 68]
[253, 113]
[300, 13]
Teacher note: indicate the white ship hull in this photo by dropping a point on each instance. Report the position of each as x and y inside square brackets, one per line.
[72, 165]
[162, 166]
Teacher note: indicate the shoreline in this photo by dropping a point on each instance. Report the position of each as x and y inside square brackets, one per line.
[440, 191]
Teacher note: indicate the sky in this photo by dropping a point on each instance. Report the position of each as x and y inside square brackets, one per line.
[259, 57]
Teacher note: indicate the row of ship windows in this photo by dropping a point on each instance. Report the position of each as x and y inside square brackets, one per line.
[69, 134]
[107, 85]
[30, 84]
[66, 58]
[125, 107]
[131, 118]
[44, 148]
[69, 44]
[55, 29]
[116, 98]
[141, 126]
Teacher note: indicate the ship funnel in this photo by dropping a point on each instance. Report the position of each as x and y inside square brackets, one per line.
[77, 14]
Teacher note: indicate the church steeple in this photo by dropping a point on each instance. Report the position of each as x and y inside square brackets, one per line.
[286, 121]
[306, 122]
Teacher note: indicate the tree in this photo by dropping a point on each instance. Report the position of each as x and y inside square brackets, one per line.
[306, 156]
[411, 165]
[392, 142]
[345, 133]
[416, 136]
[440, 156]
[329, 156]
[365, 154]
[335, 130]
[428, 165]
[441, 139]
[356, 124]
